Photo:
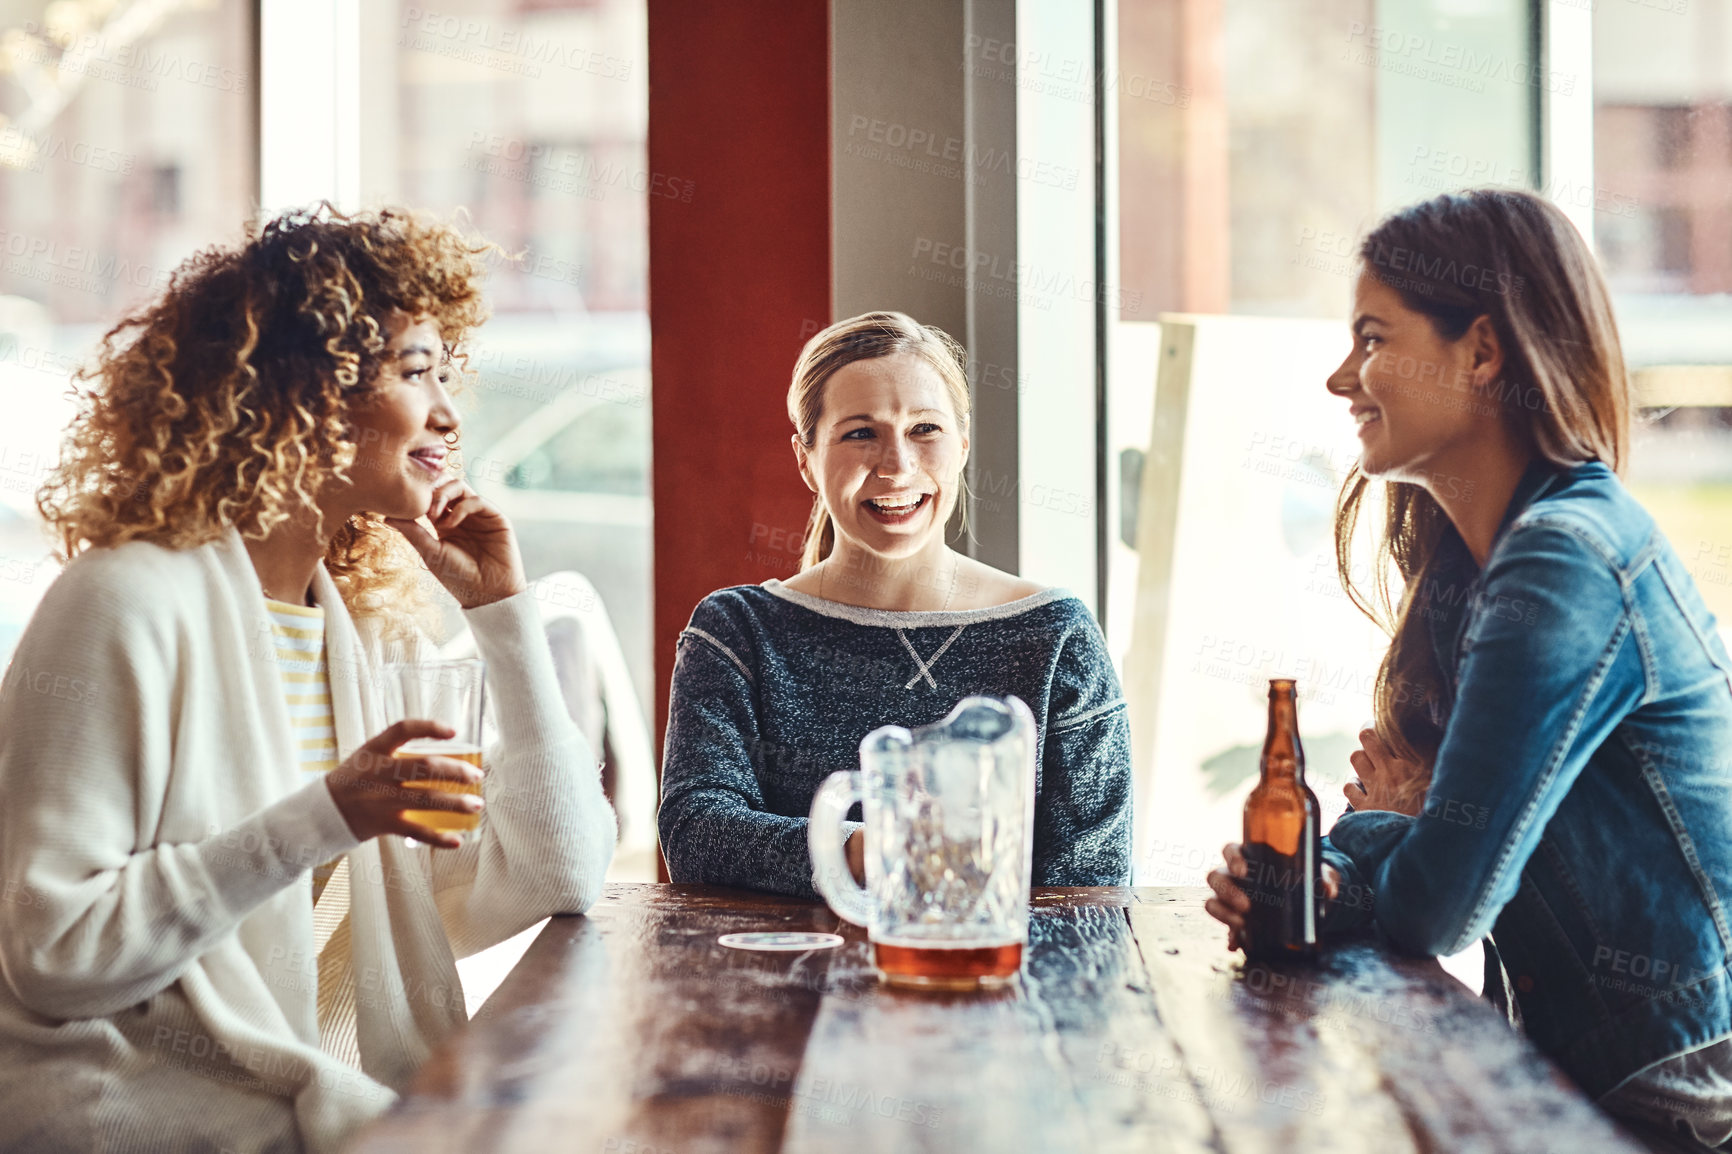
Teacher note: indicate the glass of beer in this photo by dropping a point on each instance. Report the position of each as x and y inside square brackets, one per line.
[451, 692]
[949, 841]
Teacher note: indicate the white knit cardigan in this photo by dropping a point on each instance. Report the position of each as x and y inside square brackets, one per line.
[156, 933]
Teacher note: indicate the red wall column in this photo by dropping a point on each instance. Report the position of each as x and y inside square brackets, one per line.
[739, 277]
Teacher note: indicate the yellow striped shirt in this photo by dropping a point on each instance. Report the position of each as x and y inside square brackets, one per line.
[299, 635]
[300, 641]
[299, 632]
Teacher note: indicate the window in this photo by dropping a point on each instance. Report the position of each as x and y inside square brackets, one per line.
[1663, 219]
[126, 142]
[1257, 141]
[530, 120]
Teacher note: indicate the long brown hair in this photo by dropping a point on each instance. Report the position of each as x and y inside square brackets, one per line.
[223, 403]
[865, 338]
[1513, 258]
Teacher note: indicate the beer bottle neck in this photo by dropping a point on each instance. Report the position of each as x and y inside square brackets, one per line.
[1282, 759]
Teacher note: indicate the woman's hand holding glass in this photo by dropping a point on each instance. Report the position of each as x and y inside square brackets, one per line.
[371, 792]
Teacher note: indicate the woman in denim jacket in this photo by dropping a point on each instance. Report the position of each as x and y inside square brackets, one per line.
[1552, 760]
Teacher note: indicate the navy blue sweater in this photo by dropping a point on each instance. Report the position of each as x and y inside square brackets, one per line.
[773, 690]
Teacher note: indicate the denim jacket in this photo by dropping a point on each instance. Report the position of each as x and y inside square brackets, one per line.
[1580, 808]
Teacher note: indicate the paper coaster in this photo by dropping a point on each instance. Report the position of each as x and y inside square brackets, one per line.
[778, 942]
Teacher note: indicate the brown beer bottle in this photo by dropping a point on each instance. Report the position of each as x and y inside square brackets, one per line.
[1283, 844]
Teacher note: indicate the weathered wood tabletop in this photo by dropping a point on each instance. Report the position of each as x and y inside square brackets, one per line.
[630, 1031]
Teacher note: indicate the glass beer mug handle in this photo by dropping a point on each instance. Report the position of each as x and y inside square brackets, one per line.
[830, 873]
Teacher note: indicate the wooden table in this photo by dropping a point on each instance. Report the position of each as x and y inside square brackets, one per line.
[630, 1031]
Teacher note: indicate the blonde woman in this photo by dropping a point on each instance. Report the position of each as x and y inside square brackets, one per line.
[206, 942]
[775, 684]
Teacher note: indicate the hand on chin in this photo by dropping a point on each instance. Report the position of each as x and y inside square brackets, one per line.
[472, 549]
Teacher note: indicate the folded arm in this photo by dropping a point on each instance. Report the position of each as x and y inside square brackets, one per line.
[1534, 700]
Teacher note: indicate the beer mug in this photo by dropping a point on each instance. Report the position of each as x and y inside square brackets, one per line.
[949, 841]
[451, 692]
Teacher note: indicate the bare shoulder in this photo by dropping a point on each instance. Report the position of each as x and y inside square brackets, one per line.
[980, 586]
[805, 581]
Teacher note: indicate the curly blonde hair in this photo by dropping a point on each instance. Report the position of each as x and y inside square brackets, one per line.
[224, 402]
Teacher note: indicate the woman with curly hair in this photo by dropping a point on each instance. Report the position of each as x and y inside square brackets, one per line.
[205, 942]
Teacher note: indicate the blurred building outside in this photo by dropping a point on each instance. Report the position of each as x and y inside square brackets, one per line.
[1256, 141]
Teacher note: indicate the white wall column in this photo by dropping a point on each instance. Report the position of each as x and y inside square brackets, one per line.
[963, 168]
[309, 103]
[1058, 289]
[1567, 111]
